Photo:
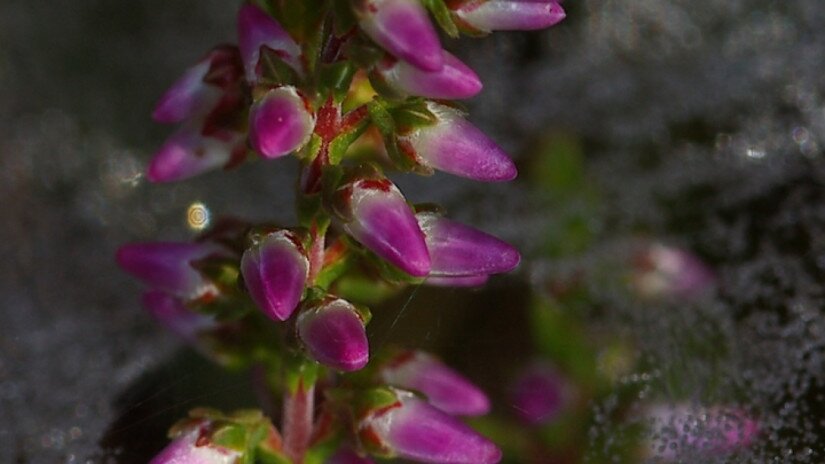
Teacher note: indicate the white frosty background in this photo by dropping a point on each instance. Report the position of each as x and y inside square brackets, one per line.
[725, 96]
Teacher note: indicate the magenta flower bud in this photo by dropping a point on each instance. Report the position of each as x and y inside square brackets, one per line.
[403, 28]
[280, 122]
[382, 221]
[275, 272]
[510, 15]
[334, 334]
[188, 153]
[454, 80]
[346, 455]
[167, 266]
[667, 271]
[189, 96]
[459, 250]
[454, 145]
[192, 447]
[539, 394]
[716, 431]
[258, 29]
[414, 429]
[171, 313]
[462, 281]
[445, 388]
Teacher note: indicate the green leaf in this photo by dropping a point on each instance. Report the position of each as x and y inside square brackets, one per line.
[337, 78]
[443, 16]
[339, 145]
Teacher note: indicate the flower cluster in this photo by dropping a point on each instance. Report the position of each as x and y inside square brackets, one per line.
[318, 79]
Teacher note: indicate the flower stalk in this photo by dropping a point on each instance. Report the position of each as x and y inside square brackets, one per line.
[316, 79]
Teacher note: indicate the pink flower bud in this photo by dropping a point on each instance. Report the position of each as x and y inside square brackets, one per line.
[454, 80]
[280, 122]
[682, 430]
[459, 250]
[187, 153]
[510, 15]
[201, 88]
[193, 447]
[382, 221]
[170, 312]
[445, 388]
[334, 335]
[403, 28]
[454, 145]
[275, 272]
[189, 96]
[660, 271]
[414, 429]
[258, 29]
[167, 266]
[539, 394]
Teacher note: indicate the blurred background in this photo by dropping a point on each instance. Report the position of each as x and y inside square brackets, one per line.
[670, 209]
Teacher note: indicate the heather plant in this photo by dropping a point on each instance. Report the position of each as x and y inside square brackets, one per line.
[355, 90]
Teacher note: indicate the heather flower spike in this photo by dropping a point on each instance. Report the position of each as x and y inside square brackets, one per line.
[457, 250]
[403, 28]
[280, 122]
[382, 221]
[413, 429]
[301, 88]
[454, 80]
[455, 146]
[192, 447]
[173, 314]
[445, 388]
[188, 152]
[257, 29]
[509, 15]
[167, 266]
[333, 333]
[275, 271]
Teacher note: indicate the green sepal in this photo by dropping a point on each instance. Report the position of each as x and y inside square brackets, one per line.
[223, 272]
[337, 77]
[231, 436]
[367, 401]
[443, 16]
[274, 70]
[300, 372]
[412, 114]
[381, 117]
